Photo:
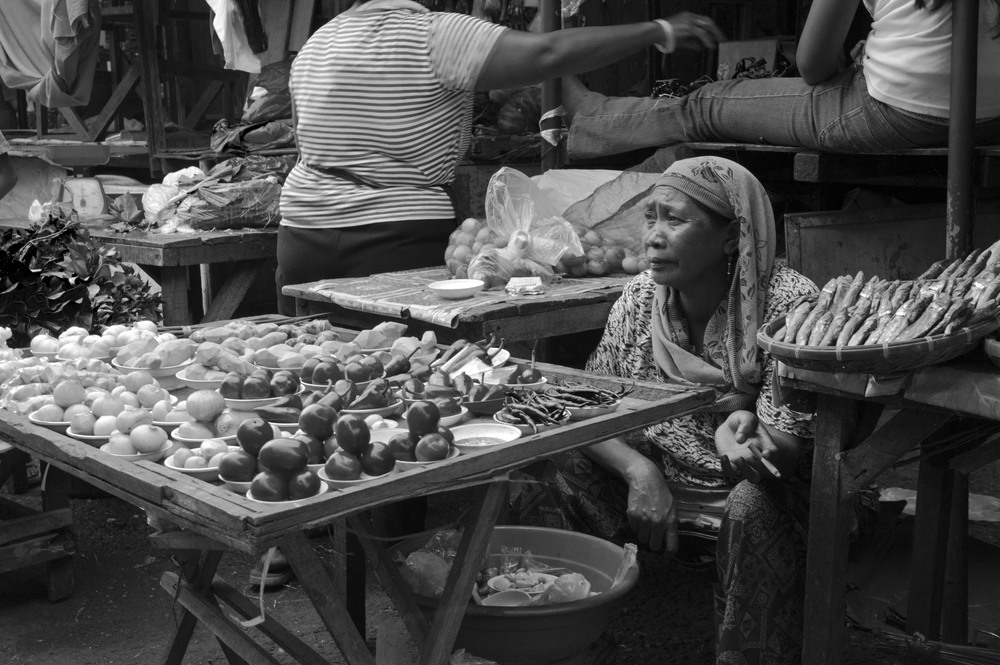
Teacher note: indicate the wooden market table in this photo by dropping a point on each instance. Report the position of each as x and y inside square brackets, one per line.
[850, 454]
[174, 253]
[573, 306]
[214, 520]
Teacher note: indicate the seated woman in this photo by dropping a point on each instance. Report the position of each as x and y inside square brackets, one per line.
[693, 318]
[895, 95]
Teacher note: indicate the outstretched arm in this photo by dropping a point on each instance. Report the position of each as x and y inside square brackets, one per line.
[820, 51]
[524, 58]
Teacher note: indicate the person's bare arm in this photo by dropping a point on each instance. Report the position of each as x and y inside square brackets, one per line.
[524, 58]
[8, 176]
[821, 45]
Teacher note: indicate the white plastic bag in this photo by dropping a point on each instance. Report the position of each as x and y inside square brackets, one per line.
[191, 174]
[539, 236]
[228, 25]
[156, 203]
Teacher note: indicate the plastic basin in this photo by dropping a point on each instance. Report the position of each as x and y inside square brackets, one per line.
[547, 633]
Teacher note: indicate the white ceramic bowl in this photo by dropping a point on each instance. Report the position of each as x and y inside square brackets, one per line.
[475, 437]
[60, 427]
[456, 289]
[157, 373]
[454, 419]
[323, 489]
[92, 439]
[402, 465]
[194, 443]
[167, 425]
[198, 384]
[207, 473]
[333, 483]
[238, 486]
[150, 457]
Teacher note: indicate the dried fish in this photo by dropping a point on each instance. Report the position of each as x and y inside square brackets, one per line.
[864, 330]
[822, 303]
[820, 328]
[851, 294]
[935, 270]
[931, 315]
[840, 318]
[794, 320]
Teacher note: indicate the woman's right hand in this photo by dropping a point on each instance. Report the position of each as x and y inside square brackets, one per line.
[695, 31]
[651, 511]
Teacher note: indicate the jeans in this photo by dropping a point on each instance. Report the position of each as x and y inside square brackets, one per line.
[835, 116]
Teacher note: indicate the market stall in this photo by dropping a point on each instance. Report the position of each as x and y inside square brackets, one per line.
[213, 519]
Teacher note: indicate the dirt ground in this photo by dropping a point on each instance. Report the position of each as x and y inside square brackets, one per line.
[119, 614]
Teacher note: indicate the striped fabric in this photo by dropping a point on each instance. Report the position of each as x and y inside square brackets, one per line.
[4, 146]
[384, 93]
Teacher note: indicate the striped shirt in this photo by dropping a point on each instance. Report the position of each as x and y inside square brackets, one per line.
[385, 94]
[4, 146]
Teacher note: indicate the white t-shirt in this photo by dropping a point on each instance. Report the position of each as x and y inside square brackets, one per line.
[907, 59]
[385, 94]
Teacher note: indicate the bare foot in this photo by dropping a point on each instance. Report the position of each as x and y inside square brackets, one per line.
[574, 95]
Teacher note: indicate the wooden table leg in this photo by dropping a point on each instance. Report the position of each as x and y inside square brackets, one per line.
[829, 521]
[935, 487]
[955, 596]
[455, 599]
[326, 598]
[198, 569]
[174, 290]
[233, 290]
[55, 496]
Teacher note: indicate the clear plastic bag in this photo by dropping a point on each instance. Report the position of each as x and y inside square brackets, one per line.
[517, 209]
[425, 572]
[566, 589]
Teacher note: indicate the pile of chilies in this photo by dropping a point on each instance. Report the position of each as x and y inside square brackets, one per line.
[535, 409]
[854, 312]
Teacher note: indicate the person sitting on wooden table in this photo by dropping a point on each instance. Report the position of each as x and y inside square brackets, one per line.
[692, 318]
[894, 95]
[8, 176]
[382, 104]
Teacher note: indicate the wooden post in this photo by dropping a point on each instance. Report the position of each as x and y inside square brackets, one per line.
[553, 156]
[961, 131]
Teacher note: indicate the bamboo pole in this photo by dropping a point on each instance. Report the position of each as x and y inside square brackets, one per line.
[961, 131]
[553, 156]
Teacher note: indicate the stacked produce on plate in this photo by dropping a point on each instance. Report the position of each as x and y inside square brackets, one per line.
[853, 311]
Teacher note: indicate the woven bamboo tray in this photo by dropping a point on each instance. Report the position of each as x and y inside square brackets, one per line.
[877, 359]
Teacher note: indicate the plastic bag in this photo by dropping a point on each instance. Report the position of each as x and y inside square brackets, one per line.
[425, 572]
[156, 203]
[539, 236]
[269, 99]
[463, 657]
[566, 588]
[183, 177]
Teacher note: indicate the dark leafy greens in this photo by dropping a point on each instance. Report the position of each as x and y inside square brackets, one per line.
[54, 275]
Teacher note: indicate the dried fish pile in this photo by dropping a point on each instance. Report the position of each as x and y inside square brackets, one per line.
[851, 311]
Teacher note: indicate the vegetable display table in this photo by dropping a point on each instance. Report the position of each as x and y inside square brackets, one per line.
[571, 306]
[847, 458]
[214, 520]
[174, 253]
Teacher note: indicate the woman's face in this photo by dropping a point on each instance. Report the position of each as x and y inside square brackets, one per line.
[686, 244]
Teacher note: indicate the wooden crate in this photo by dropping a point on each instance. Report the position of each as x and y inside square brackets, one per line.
[898, 242]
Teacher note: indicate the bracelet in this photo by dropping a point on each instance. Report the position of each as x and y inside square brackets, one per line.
[669, 40]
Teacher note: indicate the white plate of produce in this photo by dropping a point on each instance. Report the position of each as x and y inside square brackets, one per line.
[475, 437]
[455, 418]
[323, 489]
[158, 373]
[206, 473]
[251, 404]
[345, 483]
[154, 456]
[532, 584]
[527, 430]
[404, 465]
[194, 443]
[92, 439]
[198, 384]
[456, 289]
[55, 426]
[535, 385]
[584, 412]
[238, 486]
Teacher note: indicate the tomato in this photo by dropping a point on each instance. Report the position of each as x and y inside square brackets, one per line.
[313, 444]
[327, 372]
[343, 466]
[252, 434]
[255, 388]
[446, 433]
[431, 447]
[423, 417]
[402, 445]
[304, 484]
[267, 486]
[238, 465]
[330, 446]
[308, 367]
[284, 455]
[352, 433]
[317, 420]
[284, 383]
[377, 460]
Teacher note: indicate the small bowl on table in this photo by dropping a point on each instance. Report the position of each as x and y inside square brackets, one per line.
[207, 473]
[55, 426]
[455, 418]
[486, 407]
[158, 373]
[585, 412]
[92, 439]
[195, 443]
[476, 437]
[323, 489]
[198, 384]
[456, 289]
[380, 411]
[346, 483]
[237, 486]
[527, 430]
[250, 404]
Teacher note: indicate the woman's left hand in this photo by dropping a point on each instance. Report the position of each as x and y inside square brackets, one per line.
[736, 439]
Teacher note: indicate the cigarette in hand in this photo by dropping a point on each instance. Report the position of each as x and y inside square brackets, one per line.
[767, 463]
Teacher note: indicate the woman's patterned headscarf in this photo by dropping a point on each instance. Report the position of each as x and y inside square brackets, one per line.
[730, 190]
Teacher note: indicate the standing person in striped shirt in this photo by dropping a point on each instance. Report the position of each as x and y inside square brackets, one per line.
[382, 98]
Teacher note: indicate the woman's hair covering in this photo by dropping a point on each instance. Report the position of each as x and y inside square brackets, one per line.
[729, 189]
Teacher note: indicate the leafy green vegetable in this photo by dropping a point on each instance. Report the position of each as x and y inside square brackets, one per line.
[54, 275]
